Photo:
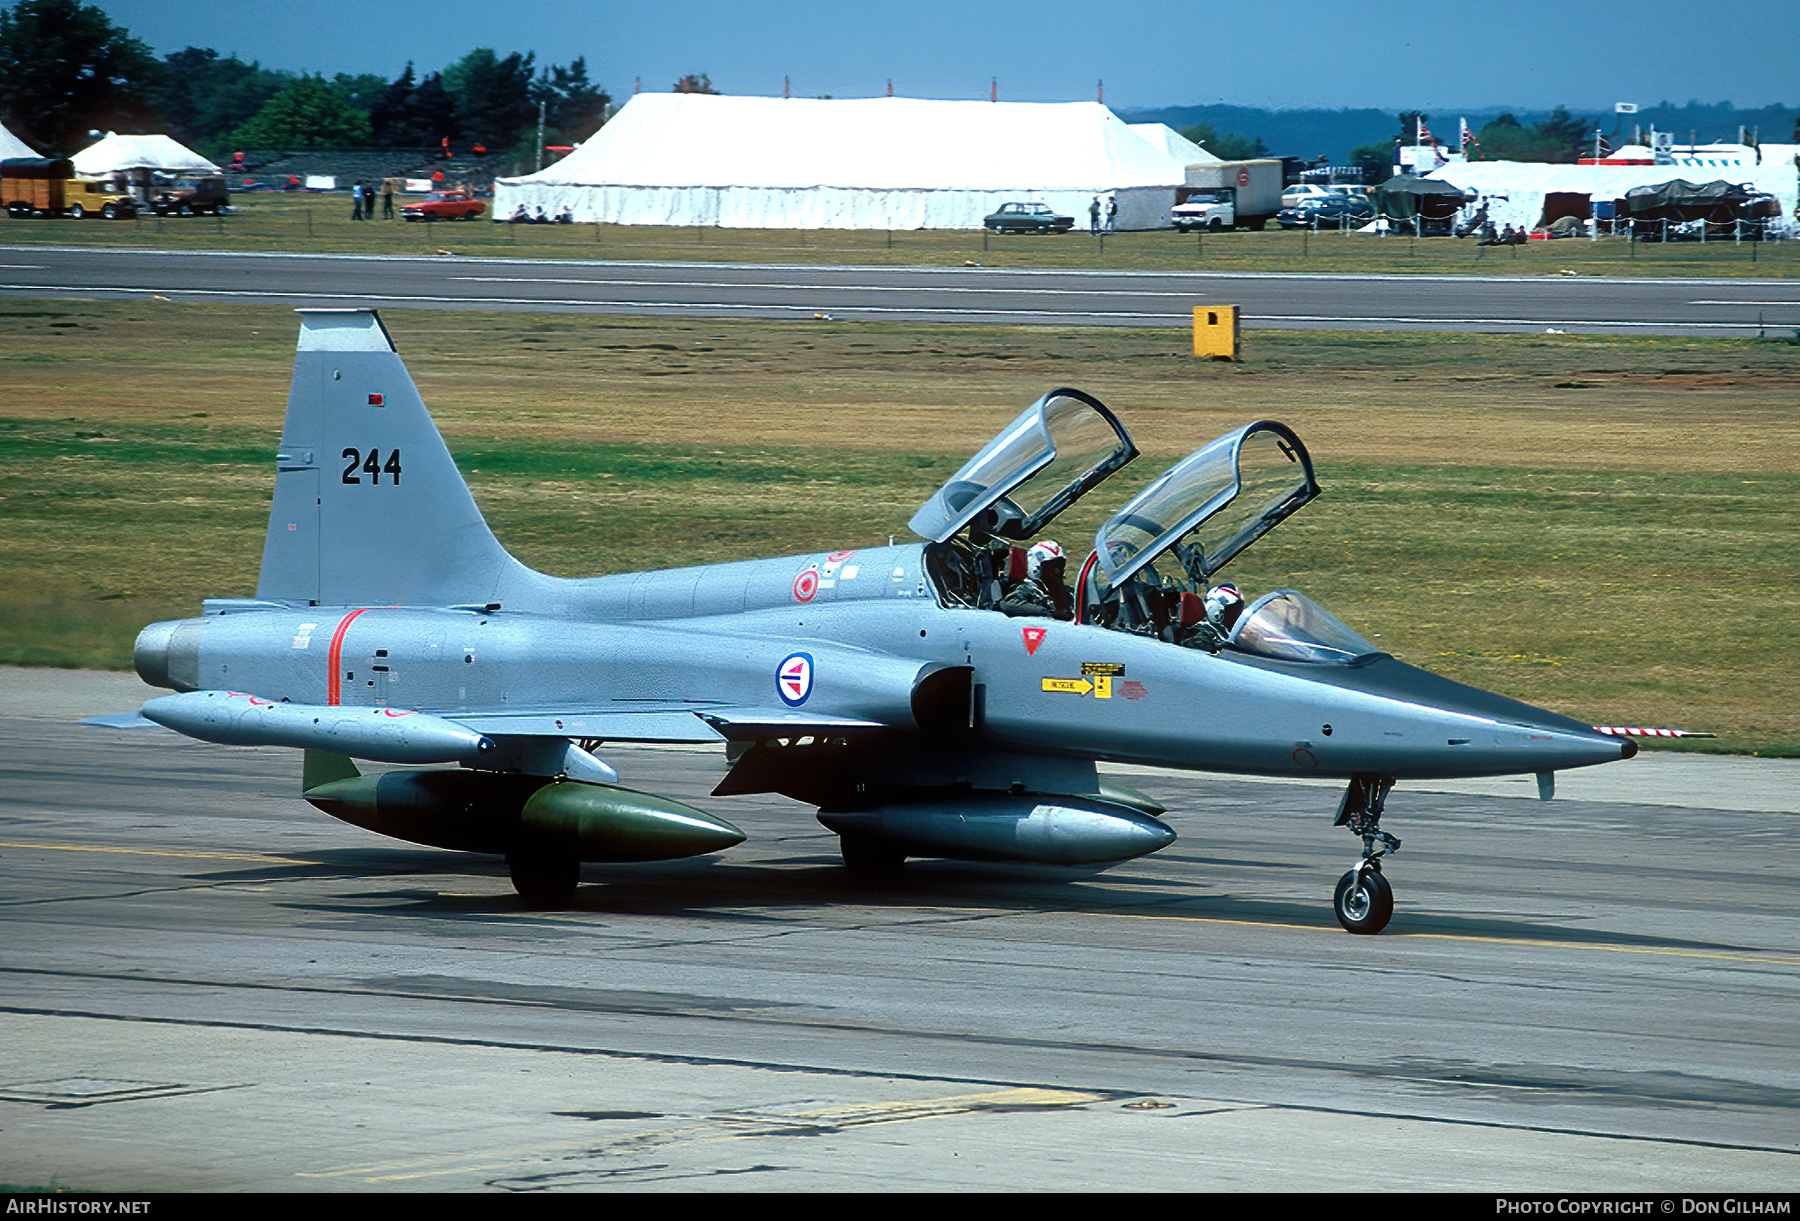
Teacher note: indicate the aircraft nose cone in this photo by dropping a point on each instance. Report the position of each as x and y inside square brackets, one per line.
[1628, 749]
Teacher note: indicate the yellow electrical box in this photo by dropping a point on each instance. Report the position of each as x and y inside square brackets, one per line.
[1216, 331]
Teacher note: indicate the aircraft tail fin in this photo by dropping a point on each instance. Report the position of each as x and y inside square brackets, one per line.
[369, 507]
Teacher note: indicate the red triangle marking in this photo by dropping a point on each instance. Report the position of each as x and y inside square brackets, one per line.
[1034, 636]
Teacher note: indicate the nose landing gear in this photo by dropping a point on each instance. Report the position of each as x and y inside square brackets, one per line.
[1363, 901]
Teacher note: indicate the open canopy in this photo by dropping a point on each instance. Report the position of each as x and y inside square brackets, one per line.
[1212, 504]
[1044, 461]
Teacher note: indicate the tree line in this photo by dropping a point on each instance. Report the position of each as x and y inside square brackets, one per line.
[67, 70]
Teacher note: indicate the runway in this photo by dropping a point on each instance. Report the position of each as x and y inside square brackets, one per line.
[1497, 303]
[210, 986]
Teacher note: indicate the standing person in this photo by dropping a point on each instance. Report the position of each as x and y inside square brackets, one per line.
[356, 201]
[1112, 213]
[1094, 217]
[387, 199]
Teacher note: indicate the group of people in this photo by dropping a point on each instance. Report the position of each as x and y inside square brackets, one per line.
[524, 216]
[1110, 211]
[1508, 236]
[1148, 606]
[362, 200]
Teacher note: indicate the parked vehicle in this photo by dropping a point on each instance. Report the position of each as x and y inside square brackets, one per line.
[1027, 218]
[1325, 211]
[1300, 191]
[443, 205]
[46, 186]
[1214, 210]
[1254, 187]
[191, 197]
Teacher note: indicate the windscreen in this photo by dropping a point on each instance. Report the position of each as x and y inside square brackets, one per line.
[1289, 625]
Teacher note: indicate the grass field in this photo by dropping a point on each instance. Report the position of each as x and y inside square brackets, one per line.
[1604, 526]
[322, 223]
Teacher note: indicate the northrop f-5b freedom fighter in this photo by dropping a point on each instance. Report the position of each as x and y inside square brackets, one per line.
[948, 697]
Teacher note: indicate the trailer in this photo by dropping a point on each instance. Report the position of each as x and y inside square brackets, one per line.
[1253, 188]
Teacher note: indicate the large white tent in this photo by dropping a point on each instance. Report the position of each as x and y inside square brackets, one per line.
[869, 163]
[1514, 191]
[12, 146]
[1172, 142]
[115, 154]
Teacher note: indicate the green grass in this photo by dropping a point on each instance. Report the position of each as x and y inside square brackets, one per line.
[321, 223]
[1622, 552]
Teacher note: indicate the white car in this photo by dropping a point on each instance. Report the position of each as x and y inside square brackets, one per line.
[1205, 210]
[1292, 196]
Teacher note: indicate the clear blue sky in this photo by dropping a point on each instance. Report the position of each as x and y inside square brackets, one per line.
[1406, 53]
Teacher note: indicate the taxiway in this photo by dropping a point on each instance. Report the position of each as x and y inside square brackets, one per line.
[210, 986]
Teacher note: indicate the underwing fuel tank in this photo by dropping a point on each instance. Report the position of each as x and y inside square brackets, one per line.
[503, 813]
[391, 735]
[1006, 827]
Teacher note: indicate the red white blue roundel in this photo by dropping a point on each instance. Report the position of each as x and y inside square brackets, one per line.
[794, 678]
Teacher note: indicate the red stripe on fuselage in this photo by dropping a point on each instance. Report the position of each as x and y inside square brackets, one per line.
[335, 658]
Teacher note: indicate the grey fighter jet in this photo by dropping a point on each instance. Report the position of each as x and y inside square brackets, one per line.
[902, 690]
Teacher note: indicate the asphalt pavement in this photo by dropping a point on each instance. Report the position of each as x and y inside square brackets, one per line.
[1497, 303]
[210, 986]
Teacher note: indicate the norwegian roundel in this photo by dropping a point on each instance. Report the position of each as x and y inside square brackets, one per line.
[794, 678]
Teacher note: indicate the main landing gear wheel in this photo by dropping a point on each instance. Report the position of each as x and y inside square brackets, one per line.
[544, 883]
[1364, 901]
[870, 858]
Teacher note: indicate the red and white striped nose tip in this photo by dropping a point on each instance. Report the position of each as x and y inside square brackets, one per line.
[1628, 732]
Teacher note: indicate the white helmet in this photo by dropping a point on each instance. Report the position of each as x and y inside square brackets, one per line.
[1041, 554]
[1220, 600]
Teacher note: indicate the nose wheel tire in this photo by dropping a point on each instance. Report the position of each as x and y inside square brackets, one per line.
[1365, 903]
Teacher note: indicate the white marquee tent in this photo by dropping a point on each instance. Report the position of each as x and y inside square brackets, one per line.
[1172, 142]
[869, 163]
[115, 154]
[1514, 191]
[12, 146]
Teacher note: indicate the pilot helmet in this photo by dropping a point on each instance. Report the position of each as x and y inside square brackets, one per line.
[1223, 605]
[1041, 554]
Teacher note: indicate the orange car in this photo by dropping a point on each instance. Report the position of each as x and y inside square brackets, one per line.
[444, 205]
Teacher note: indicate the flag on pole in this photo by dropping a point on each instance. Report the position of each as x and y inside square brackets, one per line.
[1468, 141]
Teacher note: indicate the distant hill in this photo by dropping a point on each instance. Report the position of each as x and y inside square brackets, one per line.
[1309, 133]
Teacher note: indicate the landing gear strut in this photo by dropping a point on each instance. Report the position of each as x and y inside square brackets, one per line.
[1364, 902]
[544, 883]
[870, 858]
